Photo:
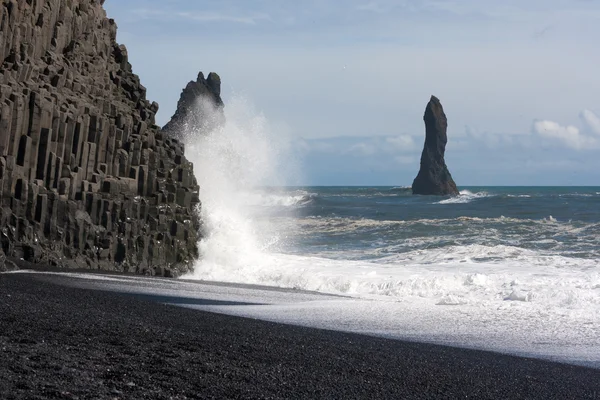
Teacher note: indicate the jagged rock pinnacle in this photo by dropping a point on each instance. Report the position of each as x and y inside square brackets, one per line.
[199, 109]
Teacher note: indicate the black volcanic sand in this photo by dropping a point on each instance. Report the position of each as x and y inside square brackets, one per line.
[62, 342]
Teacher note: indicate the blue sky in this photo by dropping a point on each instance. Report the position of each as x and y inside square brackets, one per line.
[348, 81]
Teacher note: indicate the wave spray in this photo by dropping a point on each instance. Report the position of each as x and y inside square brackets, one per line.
[237, 165]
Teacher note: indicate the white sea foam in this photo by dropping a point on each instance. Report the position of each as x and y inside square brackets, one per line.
[270, 198]
[475, 275]
[465, 196]
[550, 219]
[576, 195]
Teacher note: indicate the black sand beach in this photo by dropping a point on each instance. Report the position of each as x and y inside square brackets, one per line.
[62, 342]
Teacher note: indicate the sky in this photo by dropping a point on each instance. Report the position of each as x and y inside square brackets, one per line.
[348, 81]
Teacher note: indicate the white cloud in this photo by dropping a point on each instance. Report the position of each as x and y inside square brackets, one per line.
[381, 145]
[202, 16]
[363, 149]
[554, 164]
[492, 140]
[401, 143]
[591, 121]
[221, 17]
[322, 147]
[405, 160]
[568, 135]
[386, 147]
[372, 6]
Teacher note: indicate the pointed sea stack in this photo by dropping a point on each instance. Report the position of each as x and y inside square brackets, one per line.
[199, 109]
[434, 177]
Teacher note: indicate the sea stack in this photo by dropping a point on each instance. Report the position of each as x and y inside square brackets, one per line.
[199, 109]
[87, 179]
[434, 177]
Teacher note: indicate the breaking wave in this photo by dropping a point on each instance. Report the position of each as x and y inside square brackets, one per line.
[465, 196]
[233, 165]
[268, 198]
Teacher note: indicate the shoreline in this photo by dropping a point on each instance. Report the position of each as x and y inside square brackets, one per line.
[60, 341]
[261, 302]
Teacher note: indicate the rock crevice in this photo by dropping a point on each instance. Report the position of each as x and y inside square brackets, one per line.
[87, 180]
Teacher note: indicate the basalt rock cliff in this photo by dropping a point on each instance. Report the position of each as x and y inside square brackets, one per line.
[199, 109]
[434, 177]
[87, 180]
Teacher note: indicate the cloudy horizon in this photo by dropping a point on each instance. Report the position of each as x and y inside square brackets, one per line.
[349, 82]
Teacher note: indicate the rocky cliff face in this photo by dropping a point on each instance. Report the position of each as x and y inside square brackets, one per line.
[87, 179]
[434, 177]
[199, 109]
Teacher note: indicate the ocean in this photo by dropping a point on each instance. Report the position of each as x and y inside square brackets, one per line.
[514, 269]
[489, 244]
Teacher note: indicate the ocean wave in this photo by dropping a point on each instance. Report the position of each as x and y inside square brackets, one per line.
[328, 224]
[401, 189]
[577, 195]
[464, 197]
[471, 253]
[456, 276]
[338, 224]
[389, 193]
[377, 240]
[266, 199]
[550, 220]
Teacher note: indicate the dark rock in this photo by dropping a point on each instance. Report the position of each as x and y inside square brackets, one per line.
[7, 265]
[199, 109]
[434, 177]
[79, 150]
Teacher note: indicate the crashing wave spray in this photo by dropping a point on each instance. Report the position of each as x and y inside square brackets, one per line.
[233, 164]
